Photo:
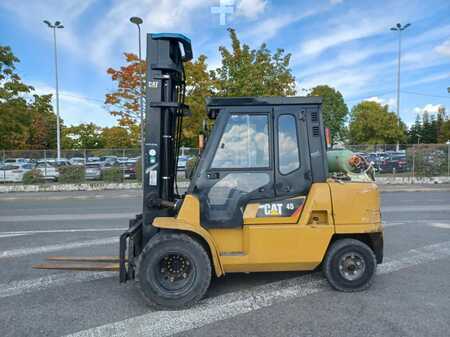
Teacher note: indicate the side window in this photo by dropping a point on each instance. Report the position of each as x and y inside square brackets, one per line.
[244, 143]
[288, 154]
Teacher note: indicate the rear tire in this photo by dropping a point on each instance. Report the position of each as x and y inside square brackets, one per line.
[173, 271]
[350, 265]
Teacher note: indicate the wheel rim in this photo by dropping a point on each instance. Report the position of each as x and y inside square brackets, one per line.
[175, 272]
[352, 266]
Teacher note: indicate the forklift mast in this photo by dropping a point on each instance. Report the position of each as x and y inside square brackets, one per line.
[164, 112]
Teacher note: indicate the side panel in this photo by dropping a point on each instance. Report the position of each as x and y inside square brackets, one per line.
[273, 246]
[356, 207]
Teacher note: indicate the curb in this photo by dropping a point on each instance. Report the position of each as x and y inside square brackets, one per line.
[403, 185]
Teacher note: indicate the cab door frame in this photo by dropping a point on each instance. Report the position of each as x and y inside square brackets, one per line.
[207, 176]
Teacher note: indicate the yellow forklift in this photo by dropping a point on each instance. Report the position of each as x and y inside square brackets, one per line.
[260, 199]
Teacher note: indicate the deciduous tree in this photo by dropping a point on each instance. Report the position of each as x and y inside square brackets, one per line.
[253, 72]
[334, 109]
[124, 101]
[372, 123]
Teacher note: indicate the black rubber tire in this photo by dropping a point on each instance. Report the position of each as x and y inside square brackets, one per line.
[169, 242]
[331, 265]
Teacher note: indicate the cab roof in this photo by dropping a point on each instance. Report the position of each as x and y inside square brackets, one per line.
[262, 100]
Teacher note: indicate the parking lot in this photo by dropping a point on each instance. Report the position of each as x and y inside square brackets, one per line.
[408, 298]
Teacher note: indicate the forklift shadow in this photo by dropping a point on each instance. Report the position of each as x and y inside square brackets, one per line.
[240, 281]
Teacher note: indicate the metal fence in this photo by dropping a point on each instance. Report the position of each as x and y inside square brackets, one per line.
[418, 160]
[412, 160]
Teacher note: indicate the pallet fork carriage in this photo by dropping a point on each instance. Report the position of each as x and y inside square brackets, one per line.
[261, 197]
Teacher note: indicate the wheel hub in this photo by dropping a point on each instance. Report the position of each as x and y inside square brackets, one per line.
[174, 270]
[351, 266]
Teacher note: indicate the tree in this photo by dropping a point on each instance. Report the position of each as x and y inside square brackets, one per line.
[42, 130]
[415, 133]
[118, 137]
[372, 123]
[14, 116]
[83, 136]
[25, 121]
[250, 72]
[198, 86]
[334, 110]
[124, 102]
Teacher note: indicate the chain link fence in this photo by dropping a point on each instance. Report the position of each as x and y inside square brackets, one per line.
[411, 160]
[415, 161]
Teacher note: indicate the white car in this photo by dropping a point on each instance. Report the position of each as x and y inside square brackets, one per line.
[14, 172]
[78, 161]
[48, 171]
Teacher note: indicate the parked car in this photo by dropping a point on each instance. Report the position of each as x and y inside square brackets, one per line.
[93, 171]
[14, 172]
[15, 161]
[109, 159]
[129, 170]
[182, 161]
[77, 161]
[395, 161]
[122, 160]
[93, 159]
[48, 171]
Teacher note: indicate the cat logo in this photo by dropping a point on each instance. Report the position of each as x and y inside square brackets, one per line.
[273, 209]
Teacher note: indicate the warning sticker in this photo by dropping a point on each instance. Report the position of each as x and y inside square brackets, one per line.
[152, 177]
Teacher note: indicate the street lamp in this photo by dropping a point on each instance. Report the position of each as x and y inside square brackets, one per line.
[138, 21]
[399, 28]
[54, 26]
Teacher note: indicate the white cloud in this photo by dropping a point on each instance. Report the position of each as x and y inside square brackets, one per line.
[271, 26]
[32, 14]
[251, 8]
[430, 108]
[350, 82]
[428, 79]
[444, 48]
[76, 108]
[390, 101]
[339, 33]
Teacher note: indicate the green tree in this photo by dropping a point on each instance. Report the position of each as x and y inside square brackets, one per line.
[415, 132]
[118, 137]
[26, 120]
[372, 123]
[42, 130]
[198, 86]
[334, 110]
[253, 72]
[14, 114]
[445, 131]
[83, 136]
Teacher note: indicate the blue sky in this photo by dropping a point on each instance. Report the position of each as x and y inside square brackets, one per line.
[342, 43]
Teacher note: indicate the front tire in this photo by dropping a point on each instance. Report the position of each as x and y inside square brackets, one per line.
[350, 265]
[173, 271]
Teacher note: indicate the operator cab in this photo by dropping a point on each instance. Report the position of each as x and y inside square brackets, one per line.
[262, 149]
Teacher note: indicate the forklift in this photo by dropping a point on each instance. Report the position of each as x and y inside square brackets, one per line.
[260, 199]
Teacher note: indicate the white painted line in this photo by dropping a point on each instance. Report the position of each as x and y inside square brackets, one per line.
[27, 286]
[440, 225]
[52, 248]
[74, 230]
[58, 217]
[8, 235]
[167, 323]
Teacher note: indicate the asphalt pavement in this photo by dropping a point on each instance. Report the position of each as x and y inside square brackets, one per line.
[410, 296]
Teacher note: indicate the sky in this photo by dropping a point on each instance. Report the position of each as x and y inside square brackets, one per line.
[345, 44]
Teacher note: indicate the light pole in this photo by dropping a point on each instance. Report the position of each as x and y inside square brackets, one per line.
[399, 28]
[58, 25]
[138, 21]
